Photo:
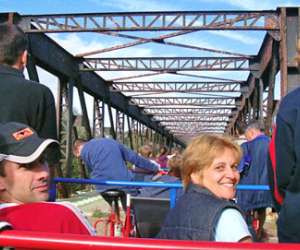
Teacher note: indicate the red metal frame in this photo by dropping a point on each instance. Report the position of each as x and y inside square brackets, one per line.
[51, 241]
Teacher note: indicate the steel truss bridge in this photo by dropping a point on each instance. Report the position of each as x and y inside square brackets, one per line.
[165, 97]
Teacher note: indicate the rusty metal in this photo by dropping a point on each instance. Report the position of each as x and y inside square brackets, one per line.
[153, 21]
[129, 133]
[85, 118]
[283, 53]
[98, 118]
[164, 101]
[196, 107]
[140, 40]
[134, 76]
[170, 64]
[120, 126]
[184, 87]
[159, 40]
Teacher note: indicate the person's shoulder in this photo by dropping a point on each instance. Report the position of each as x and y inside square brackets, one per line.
[64, 209]
[38, 87]
[261, 139]
[291, 99]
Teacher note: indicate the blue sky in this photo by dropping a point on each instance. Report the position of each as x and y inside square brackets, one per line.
[246, 42]
[73, 6]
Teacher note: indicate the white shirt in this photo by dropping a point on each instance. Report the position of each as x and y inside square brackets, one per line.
[231, 226]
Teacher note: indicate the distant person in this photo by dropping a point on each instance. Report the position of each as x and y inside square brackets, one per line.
[24, 185]
[146, 151]
[255, 172]
[206, 211]
[22, 100]
[106, 160]
[285, 156]
[162, 157]
[173, 175]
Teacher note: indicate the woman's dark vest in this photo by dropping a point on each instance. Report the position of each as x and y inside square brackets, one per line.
[195, 215]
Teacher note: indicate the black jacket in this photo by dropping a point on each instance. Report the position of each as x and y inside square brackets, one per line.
[27, 102]
[287, 143]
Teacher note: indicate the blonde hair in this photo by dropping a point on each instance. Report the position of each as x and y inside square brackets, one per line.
[145, 150]
[202, 151]
[175, 165]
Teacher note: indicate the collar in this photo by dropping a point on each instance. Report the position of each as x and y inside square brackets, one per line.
[5, 69]
[198, 189]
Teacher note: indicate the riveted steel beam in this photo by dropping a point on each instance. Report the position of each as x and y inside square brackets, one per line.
[170, 64]
[181, 87]
[153, 21]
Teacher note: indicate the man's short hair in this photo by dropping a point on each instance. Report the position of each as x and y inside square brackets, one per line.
[13, 43]
[254, 124]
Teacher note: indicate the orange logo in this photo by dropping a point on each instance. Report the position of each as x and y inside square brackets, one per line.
[22, 134]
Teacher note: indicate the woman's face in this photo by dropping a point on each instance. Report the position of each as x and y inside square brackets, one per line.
[221, 177]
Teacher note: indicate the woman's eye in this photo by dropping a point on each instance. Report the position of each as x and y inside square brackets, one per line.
[219, 167]
[234, 167]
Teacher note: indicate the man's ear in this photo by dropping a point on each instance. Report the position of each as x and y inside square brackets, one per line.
[21, 62]
[2, 184]
[24, 56]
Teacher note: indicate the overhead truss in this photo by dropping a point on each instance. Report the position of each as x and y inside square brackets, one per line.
[190, 111]
[169, 64]
[153, 21]
[193, 101]
[183, 87]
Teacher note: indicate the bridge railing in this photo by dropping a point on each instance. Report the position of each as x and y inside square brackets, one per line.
[171, 185]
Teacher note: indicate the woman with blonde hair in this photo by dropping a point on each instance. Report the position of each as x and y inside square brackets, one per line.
[206, 210]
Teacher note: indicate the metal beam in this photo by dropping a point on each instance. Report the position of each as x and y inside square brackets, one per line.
[170, 64]
[181, 87]
[190, 111]
[153, 21]
[49, 55]
[180, 116]
[193, 101]
[198, 119]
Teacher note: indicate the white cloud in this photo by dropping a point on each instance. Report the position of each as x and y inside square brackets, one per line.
[234, 35]
[74, 44]
[137, 5]
[257, 5]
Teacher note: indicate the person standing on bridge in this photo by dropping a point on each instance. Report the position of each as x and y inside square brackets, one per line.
[22, 100]
[254, 171]
[285, 157]
[106, 161]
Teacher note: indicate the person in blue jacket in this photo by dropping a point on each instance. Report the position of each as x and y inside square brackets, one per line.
[106, 160]
[254, 171]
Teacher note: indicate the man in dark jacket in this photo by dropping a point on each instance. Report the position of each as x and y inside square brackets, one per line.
[22, 100]
[255, 172]
[286, 167]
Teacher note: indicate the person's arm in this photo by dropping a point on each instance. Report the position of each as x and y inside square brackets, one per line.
[285, 156]
[137, 160]
[238, 227]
